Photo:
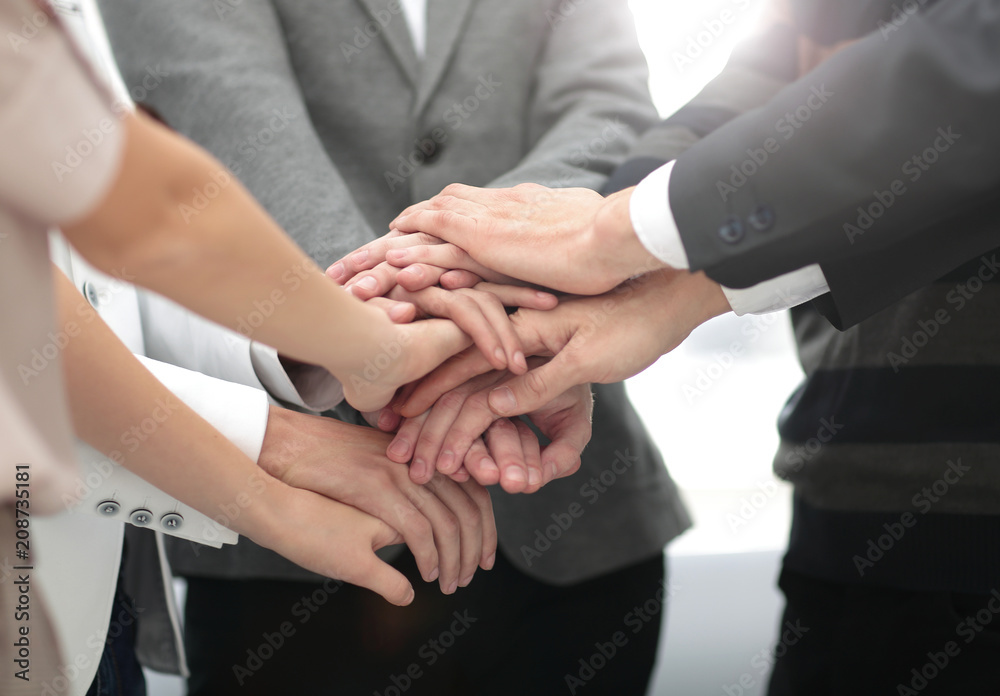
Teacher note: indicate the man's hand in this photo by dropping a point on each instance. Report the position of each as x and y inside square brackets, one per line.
[572, 240]
[448, 526]
[445, 436]
[600, 340]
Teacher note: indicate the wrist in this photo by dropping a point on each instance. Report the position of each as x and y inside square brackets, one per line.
[615, 244]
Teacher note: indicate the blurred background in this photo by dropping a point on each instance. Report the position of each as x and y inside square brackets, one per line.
[711, 406]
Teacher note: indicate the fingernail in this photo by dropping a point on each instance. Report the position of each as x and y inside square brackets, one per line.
[550, 471]
[514, 475]
[465, 582]
[385, 421]
[336, 270]
[451, 588]
[419, 468]
[490, 561]
[413, 271]
[435, 574]
[488, 466]
[400, 448]
[399, 312]
[544, 295]
[520, 360]
[500, 355]
[409, 597]
[397, 254]
[446, 461]
[367, 283]
[502, 400]
[360, 257]
[534, 478]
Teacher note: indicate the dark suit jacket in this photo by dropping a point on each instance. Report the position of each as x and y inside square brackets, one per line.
[879, 165]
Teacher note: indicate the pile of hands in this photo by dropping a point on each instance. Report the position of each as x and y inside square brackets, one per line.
[548, 308]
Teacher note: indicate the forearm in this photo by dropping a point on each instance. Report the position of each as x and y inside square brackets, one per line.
[120, 409]
[229, 262]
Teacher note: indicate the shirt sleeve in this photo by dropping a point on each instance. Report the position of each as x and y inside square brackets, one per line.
[654, 225]
[314, 389]
[57, 121]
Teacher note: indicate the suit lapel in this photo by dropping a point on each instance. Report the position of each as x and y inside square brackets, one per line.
[445, 20]
[397, 35]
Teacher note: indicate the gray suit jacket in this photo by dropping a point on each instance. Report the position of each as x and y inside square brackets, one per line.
[326, 114]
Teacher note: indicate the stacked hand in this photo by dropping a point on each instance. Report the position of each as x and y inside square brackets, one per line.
[530, 235]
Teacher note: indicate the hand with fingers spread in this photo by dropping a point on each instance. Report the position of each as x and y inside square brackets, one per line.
[572, 240]
[601, 339]
[448, 526]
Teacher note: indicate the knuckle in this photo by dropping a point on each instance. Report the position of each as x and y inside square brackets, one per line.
[452, 401]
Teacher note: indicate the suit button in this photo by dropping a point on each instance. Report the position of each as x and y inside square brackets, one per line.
[762, 219]
[90, 292]
[430, 148]
[140, 517]
[171, 521]
[108, 508]
[732, 231]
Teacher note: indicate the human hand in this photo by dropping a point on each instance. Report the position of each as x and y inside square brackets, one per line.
[602, 339]
[366, 273]
[448, 526]
[572, 240]
[326, 537]
[448, 434]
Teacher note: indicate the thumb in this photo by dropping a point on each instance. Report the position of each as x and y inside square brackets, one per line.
[534, 389]
[373, 573]
[381, 578]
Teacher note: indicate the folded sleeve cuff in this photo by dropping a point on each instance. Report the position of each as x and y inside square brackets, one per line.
[783, 292]
[653, 221]
[313, 388]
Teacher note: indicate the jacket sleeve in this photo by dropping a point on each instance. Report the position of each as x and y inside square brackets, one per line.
[877, 146]
[591, 97]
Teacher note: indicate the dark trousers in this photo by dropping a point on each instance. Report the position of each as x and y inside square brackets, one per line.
[119, 672]
[506, 634]
[859, 640]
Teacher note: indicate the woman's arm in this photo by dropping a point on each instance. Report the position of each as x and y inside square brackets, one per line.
[176, 221]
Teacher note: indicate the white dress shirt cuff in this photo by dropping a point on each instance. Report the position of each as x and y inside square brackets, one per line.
[653, 220]
[314, 389]
[784, 292]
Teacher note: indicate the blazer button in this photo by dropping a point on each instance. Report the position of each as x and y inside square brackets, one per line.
[90, 292]
[430, 148]
[108, 508]
[171, 521]
[732, 231]
[140, 517]
[762, 219]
